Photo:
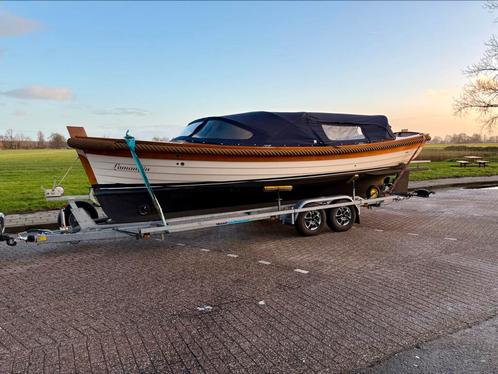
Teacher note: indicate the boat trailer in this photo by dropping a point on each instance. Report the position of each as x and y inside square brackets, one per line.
[79, 221]
[309, 216]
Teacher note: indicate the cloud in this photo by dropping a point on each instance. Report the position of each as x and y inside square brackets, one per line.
[123, 112]
[41, 93]
[12, 25]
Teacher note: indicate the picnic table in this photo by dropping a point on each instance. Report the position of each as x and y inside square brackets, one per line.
[476, 160]
[472, 158]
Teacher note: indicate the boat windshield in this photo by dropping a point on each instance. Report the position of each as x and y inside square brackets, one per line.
[216, 129]
[191, 127]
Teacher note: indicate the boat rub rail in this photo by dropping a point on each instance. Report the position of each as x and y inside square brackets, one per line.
[113, 145]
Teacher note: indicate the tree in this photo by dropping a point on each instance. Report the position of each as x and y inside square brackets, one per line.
[40, 142]
[56, 140]
[437, 140]
[23, 142]
[491, 6]
[475, 138]
[9, 139]
[480, 95]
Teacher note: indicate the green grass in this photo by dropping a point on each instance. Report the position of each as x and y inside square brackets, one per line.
[450, 169]
[23, 172]
[444, 152]
[444, 156]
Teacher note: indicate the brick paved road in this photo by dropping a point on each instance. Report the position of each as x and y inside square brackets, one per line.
[409, 273]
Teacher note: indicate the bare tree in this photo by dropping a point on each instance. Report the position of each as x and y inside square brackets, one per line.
[491, 6]
[40, 140]
[23, 142]
[56, 140]
[480, 95]
[9, 139]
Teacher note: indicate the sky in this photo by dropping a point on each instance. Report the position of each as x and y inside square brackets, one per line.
[152, 67]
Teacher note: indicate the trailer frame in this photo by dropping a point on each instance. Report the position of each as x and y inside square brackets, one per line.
[89, 229]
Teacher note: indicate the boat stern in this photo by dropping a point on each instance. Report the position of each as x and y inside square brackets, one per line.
[79, 132]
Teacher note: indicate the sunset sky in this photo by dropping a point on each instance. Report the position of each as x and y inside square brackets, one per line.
[153, 67]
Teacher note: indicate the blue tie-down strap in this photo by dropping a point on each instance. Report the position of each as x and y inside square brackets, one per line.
[130, 141]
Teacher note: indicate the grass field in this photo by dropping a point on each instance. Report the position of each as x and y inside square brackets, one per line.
[449, 169]
[23, 172]
[442, 152]
[444, 156]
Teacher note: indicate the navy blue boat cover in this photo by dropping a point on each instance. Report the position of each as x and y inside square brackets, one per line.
[296, 128]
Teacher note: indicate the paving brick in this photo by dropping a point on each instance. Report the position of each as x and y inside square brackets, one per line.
[131, 306]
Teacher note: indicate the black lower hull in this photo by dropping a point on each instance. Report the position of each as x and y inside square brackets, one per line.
[130, 203]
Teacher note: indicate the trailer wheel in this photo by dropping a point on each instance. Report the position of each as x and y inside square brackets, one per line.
[341, 218]
[68, 219]
[310, 223]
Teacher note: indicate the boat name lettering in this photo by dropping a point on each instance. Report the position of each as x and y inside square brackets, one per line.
[125, 167]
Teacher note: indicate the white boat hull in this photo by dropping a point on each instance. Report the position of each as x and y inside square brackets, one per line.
[122, 170]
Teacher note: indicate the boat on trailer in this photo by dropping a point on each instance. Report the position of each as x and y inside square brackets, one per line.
[243, 161]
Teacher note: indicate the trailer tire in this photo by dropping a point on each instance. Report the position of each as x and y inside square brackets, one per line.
[69, 220]
[310, 223]
[341, 219]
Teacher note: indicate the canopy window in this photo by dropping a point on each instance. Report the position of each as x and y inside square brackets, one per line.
[218, 129]
[341, 133]
[191, 127]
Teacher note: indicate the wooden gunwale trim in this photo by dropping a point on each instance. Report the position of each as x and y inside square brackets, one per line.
[205, 152]
[204, 157]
